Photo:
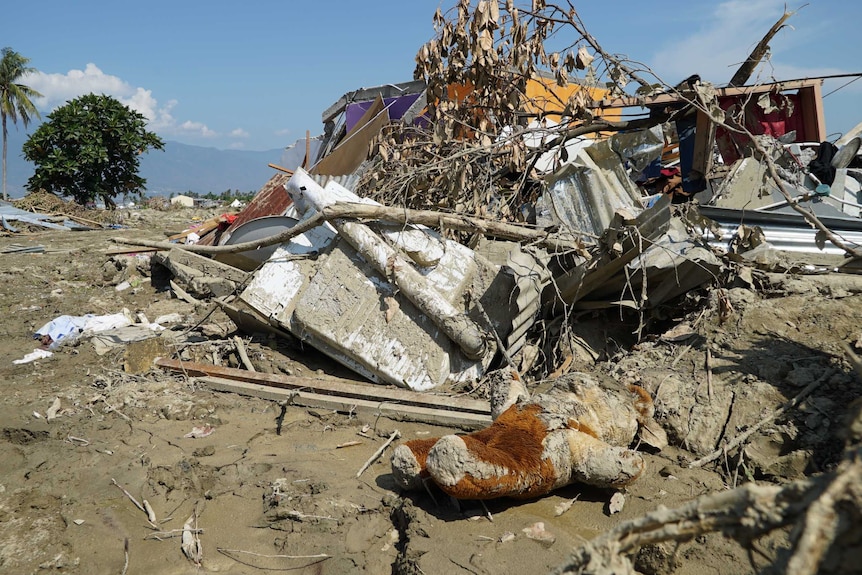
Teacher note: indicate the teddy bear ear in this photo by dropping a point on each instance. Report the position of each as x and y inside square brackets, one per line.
[653, 434]
[507, 389]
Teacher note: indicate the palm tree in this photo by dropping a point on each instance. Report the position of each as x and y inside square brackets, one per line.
[15, 98]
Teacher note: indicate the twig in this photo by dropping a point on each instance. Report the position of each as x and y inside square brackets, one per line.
[243, 355]
[78, 441]
[126, 553]
[151, 514]
[741, 438]
[129, 495]
[295, 515]
[113, 409]
[395, 435]
[159, 535]
[348, 444]
[241, 552]
[709, 373]
[487, 511]
[191, 543]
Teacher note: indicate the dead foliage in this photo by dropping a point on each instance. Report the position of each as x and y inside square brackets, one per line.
[470, 156]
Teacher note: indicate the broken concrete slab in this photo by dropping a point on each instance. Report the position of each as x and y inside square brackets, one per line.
[355, 308]
[199, 275]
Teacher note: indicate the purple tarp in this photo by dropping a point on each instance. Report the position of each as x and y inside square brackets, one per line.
[397, 107]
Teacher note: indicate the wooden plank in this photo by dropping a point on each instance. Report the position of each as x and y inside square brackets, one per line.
[720, 92]
[347, 390]
[280, 169]
[704, 142]
[397, 412]
[201, 230]
[814, 122]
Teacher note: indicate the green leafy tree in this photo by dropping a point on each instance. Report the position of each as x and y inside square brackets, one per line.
[90, 149]
[15, 98]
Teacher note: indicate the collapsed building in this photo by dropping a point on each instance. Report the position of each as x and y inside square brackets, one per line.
[615, 223]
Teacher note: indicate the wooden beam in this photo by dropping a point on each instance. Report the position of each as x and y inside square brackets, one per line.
[397, 412]
[747, 68]
[675, 98]
[345, 389]
[280, 169]
[203, 229]
[813, 121]
[704, 142]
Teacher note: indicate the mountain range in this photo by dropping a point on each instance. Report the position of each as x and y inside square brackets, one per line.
[179, 168]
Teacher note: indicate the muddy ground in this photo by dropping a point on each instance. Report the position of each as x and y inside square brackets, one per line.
[275, 492]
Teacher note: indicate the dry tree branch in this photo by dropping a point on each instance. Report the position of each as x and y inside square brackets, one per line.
[809, 216]
[821, 523]
[429, 218]
[747, 68]
[742, 437]
[744, 513]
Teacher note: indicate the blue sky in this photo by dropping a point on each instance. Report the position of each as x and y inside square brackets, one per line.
[256, 75]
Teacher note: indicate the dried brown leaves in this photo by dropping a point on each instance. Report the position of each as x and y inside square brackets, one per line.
[469, 156]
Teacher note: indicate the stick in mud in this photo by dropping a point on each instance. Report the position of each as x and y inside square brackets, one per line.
[129, 495]
[395, 435]
[742, 437]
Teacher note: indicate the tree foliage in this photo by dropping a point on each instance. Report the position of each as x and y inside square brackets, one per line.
[15, 97]
[90, 149]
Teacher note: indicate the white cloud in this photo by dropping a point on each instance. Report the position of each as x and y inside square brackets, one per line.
[57, 89]
[239, 133]
[725, 40]
[196, 128]
[283, 132]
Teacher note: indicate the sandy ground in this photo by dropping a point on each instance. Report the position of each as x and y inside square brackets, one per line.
[273, 491]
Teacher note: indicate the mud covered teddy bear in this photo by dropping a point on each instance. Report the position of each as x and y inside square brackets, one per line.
[579, 430]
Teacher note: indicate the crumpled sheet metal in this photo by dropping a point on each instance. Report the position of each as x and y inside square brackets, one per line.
[529, 270]
[585, 193]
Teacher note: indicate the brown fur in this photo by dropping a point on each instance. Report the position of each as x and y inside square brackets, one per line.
[514, 442]
[509, 457]
[420, 449]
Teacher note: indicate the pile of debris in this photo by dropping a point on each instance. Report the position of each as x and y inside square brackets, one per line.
[42, 210]
[445, 228]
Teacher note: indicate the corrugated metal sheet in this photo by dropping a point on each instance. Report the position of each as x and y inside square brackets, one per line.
[786, 232]
[584, 194]
[531, 274]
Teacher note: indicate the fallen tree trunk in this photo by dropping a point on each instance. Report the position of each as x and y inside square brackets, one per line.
[457, 222]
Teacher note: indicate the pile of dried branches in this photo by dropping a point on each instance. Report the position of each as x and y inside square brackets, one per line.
[47, 203]
[471, 157]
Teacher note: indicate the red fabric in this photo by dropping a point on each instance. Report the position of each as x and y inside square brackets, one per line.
[787, 118]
